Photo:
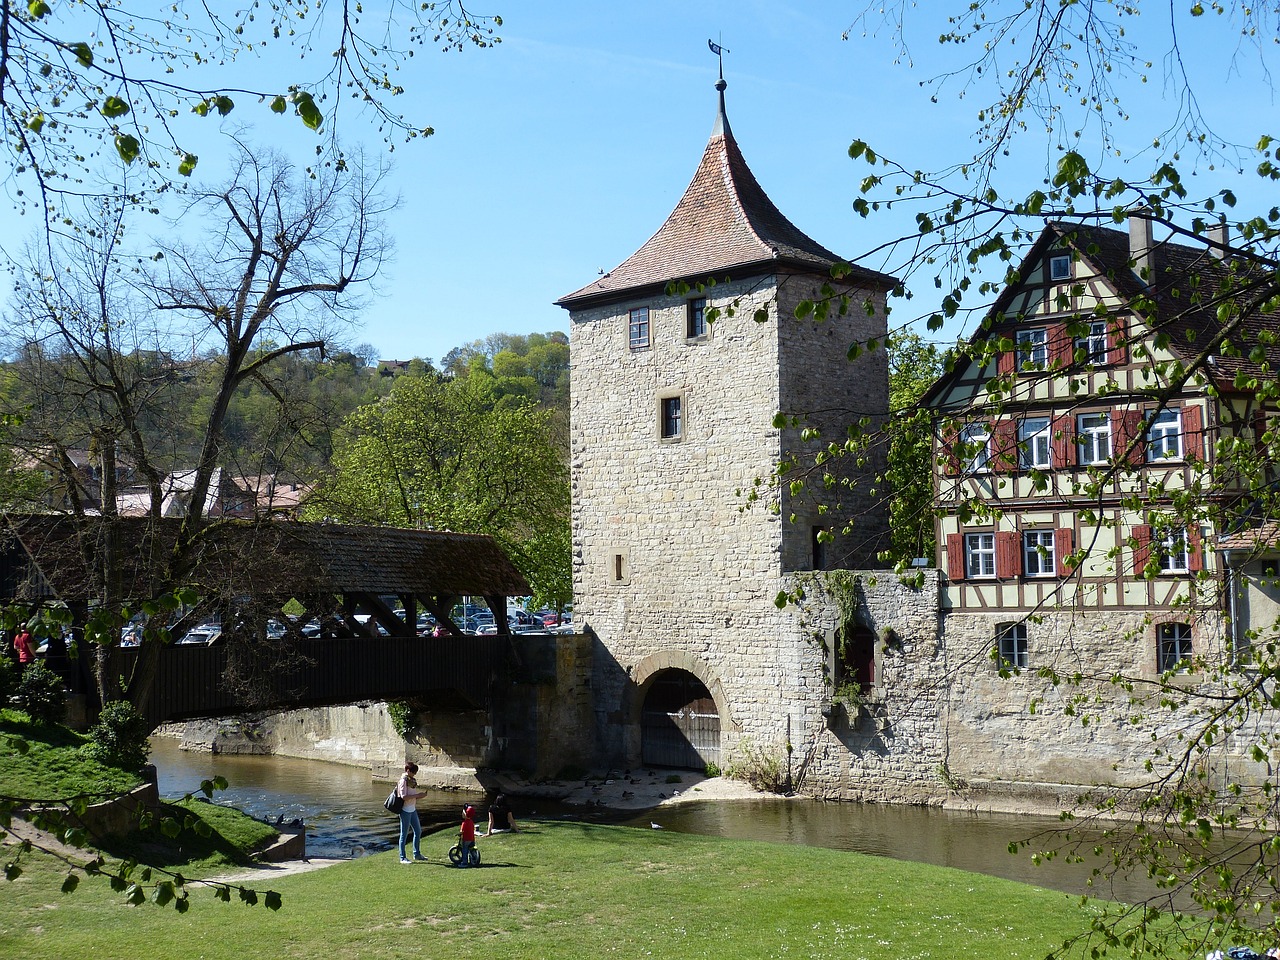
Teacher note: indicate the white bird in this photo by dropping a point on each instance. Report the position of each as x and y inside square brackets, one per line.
[655, 826]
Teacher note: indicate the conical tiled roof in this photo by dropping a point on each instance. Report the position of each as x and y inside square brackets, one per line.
[724, 223]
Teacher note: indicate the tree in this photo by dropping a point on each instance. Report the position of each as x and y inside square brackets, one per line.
[270, 268]
[455, 454]
[85, 86]
[1054, 73]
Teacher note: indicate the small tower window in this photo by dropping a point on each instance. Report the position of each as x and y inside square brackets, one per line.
[672, 418]
[696, 318]
[1060, 267]
[638, 328]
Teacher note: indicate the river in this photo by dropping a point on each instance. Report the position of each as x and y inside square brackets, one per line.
[342, 809]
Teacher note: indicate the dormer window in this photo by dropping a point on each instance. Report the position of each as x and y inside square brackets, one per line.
[1060, 267]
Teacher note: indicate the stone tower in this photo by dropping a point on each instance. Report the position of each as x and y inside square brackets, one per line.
[676, 565]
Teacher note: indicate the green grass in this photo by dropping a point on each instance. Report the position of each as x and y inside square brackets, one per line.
[53, 767]
[566, 891]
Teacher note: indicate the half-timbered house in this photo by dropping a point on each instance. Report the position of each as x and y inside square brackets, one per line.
[1079, 477]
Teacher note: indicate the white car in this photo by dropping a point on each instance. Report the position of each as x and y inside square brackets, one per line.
[201, 636]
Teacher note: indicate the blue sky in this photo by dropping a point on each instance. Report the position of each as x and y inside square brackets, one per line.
[560, 151]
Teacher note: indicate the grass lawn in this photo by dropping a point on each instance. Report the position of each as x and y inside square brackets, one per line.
[566, 890]
[53, 768]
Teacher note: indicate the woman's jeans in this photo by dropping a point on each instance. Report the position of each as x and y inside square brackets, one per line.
[409, 821]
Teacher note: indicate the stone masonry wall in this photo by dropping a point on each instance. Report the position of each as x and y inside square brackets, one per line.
[672, 556]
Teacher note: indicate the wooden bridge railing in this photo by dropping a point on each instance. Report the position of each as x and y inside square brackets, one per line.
[191, 681]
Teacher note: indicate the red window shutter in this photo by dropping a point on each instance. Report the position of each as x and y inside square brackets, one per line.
[1008, 556]
[950, 459]
[1060, 345]
[1195, 550]
[1004, 446]
[1118, 340]
[1126, 424]
[955, 556]
[1141, 552]
[1064, 442]
[1007, 361]
[1064, 544]
[1192, 433]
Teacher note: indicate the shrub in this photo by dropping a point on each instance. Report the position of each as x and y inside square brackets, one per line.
[41, 694]
[404, 718]
[712, 769]
[119, 738]
[761, 770]
[8, 678]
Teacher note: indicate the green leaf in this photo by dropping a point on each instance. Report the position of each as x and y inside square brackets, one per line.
[114, 107]
[37, 9]
[272, 900]
[188, 164]
[224, 104]
[82, 53]
[278, 105]
[306, 107]
[128, 147]
[12, 871]
[35, 123]
[201, 109]
[70, 883]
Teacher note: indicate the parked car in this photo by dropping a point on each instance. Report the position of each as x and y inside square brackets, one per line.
[201, 636]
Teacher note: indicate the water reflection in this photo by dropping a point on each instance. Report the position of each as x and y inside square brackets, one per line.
[340, 805]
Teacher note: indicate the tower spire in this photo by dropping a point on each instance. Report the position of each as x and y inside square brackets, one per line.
[721, 126]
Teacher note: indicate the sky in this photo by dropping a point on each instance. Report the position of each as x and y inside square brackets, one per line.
[558, 152]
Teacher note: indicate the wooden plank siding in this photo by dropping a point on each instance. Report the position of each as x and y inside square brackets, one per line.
[191, 681]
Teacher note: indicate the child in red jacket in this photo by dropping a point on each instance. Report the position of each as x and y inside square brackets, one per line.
[467, 838]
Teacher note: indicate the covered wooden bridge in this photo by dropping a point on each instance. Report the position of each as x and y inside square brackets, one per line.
[360, 590]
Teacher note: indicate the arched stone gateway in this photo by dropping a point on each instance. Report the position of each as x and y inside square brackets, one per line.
[676, 706]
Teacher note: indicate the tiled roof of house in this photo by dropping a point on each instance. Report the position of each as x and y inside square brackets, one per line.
[278, 558]
[725, 222]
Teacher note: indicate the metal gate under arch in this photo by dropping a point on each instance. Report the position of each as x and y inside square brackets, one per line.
[679, 724]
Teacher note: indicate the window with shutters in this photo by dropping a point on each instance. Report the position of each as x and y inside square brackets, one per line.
[973, 449]
[1173, 647]
[1034, 443]
[1170, 546]
[1093, 345]
[1011, 641]
[1033, 349]
[1164, 436]
[1038, 554]
[1093, 438]
[980, 555]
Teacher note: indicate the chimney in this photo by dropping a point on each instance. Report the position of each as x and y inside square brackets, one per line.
[1216, 234]
[1140, 245]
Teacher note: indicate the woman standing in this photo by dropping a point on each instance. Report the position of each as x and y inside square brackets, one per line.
[25, 650]
[407, 788]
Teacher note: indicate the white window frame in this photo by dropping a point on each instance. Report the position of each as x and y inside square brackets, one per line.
[1093, 438]
[639, 332]
[1035, 446]
[980, 556]
[1039, 556]
[1164, 436]
[975, 447]
[1011, 645]
[1033, 349]
[1060, 267]
[1095, 342]
[1173, 646]
[1170, 544]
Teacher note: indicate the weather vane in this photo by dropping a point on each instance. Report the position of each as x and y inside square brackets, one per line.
[719, 51]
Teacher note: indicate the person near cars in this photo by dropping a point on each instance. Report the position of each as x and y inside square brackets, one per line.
[407, 788]
[24, 647]
[501, 819]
